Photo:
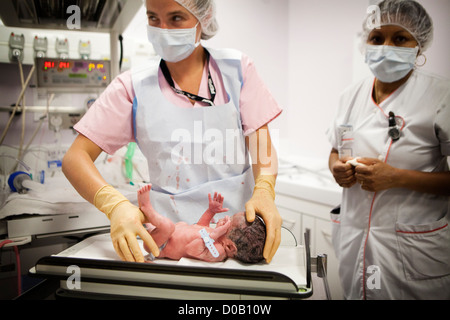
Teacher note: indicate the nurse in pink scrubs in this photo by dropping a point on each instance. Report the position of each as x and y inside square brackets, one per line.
[198, 115]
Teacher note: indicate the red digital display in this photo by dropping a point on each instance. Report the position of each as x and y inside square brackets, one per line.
[64, 65]
[49, 64]
[60, 65]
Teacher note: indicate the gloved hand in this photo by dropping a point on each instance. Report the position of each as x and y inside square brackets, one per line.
[126, 224]
[262, 203]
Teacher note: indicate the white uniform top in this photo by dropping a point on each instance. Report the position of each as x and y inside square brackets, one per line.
[395, 244]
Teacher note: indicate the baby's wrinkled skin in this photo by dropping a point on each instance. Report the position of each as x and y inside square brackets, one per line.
[183, 240]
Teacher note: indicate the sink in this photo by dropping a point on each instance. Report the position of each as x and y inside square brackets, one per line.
[311, 183]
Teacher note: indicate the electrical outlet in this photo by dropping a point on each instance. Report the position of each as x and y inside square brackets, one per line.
[16, 46]
[40, 45]
[59, 121]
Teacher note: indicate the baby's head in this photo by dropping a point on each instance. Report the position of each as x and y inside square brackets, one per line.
[249, 238]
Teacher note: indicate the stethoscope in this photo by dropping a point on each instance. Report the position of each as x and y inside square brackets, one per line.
[393, 131]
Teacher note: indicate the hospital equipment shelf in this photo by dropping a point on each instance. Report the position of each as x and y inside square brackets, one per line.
[112, 18]
[41, 226]
[304, 201]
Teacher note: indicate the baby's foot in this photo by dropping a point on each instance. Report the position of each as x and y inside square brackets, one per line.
[162, 227]
[144, 197]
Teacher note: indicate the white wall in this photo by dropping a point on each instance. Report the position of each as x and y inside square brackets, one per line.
[320, 66]
[323, 60]
[305, 52]
[260, 29]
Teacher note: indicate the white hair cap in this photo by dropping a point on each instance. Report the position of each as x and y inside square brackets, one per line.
[205, 12]
[408, 14]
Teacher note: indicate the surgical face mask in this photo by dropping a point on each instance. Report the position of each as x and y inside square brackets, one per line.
[173, 45]
[388, 63]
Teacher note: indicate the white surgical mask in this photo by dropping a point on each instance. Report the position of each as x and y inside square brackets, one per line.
[173, 45]
[388, 63]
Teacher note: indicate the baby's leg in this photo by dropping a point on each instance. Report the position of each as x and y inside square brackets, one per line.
[164, 227]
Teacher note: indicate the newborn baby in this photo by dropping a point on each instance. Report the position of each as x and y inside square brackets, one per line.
[233, 236]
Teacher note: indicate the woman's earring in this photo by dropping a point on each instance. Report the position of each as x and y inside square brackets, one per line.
[424, 60]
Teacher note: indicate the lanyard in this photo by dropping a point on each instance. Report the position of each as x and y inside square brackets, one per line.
[211, 87]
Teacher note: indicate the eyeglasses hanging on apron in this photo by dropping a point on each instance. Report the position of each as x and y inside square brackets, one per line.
[211, 87]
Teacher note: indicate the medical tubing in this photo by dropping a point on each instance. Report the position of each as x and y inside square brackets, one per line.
[33, 185]
[19, 276]
[15, 167]
[129, 160]
[41, 119]
[22, 134]
[20, 161]
[16, 106]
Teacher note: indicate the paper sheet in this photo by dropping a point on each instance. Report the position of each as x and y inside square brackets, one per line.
[289, 260]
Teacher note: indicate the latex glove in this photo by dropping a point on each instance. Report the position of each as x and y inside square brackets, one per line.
[126, 224]
[262, 203]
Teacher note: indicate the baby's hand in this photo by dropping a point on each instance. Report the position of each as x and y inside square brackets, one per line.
[216, 203]
[223, 221]
[221, 228]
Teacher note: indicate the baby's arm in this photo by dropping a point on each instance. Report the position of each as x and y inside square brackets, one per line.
[215, 206]
[197, 249]
[220, 231]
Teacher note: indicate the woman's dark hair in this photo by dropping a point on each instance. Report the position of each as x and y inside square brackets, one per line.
[250, 241]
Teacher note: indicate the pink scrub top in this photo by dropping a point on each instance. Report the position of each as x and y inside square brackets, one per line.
[109, 122]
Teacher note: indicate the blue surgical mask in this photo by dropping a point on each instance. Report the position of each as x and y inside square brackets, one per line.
[173, 45]
[388, 63]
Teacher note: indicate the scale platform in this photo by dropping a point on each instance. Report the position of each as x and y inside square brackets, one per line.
[99, 273]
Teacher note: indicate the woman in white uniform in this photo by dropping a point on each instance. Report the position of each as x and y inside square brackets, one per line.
[392, 236]
[195, 113]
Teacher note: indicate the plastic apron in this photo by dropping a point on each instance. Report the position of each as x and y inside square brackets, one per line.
[397, 234]
[193, 151]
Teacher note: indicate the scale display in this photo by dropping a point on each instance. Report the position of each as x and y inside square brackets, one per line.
[70, 73]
